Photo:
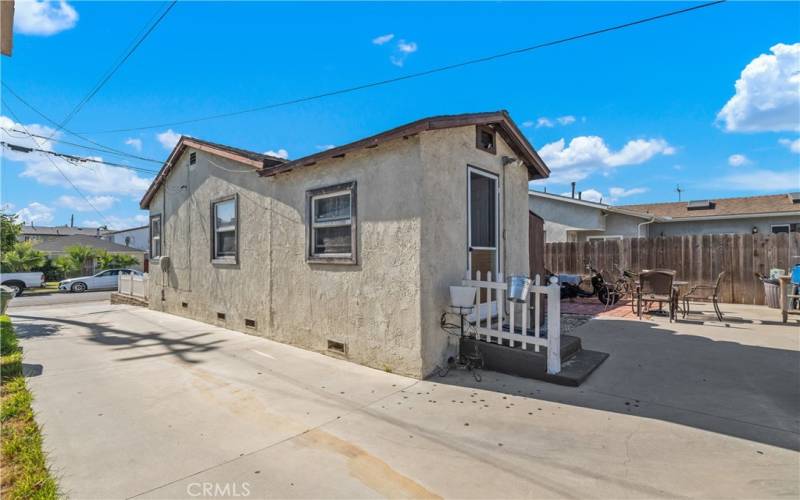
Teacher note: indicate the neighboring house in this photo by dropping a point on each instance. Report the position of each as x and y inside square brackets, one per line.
[348, 251]
[573, 219]
[135, 237]
[777, 213]
[43, 233]
[54, 247]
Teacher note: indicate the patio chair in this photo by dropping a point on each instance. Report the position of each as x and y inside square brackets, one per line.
[616, 288]
[705, 293]
[656, 286]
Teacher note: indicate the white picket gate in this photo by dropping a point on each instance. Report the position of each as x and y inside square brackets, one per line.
[495, 318]
[133, 285]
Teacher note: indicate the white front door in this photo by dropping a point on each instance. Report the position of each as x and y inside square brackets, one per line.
[483, 219]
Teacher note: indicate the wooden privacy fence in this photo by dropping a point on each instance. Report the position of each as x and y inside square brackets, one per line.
[696, 258]
[496, 319]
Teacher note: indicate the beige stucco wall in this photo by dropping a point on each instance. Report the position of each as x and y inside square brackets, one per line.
[411, 209]
[446, 155]
[373, 307]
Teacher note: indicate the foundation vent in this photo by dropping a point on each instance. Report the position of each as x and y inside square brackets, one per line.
[250, 323]
[335, 346]
[184, 305]
[221, 316]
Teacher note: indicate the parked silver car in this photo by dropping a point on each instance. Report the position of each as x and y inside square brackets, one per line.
[104, 280]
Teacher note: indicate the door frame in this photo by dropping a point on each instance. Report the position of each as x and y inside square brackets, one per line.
[498, 206]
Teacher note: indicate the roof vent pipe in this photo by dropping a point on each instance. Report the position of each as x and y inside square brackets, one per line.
[573, 189]
[580, 195]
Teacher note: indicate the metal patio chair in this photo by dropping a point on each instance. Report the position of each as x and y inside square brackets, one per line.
[656, 286]
[705, 293]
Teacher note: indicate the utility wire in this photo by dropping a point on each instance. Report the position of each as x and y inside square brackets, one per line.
[110, 73]
[102, 150]
[421, 73]
[71, 158]
[10, 110]
[70, 132]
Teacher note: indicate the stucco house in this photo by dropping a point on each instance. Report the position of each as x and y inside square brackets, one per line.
[348, 251]
[43, 233]
[53, 247]
[134, 237]
[776, 213]
[574, 219]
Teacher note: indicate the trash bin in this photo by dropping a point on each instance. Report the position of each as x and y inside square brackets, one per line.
[6, 294]
[772, 293]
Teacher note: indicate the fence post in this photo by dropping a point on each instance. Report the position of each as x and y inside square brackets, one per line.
[553, 327]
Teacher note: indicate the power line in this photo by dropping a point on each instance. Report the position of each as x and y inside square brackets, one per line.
[421, 73]
[68, 131]
[72, 158]
[102, 150]
[110, 73]
[10, 110]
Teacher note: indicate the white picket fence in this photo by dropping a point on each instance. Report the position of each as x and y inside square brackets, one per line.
[133, 285]
[495, 318]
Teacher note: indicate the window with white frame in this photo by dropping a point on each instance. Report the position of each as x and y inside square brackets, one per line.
[332, 224]
[155, 236]
[224, 229]
[780, 228]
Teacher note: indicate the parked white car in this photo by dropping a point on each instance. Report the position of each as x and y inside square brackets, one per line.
[104, 280]
[18, 282]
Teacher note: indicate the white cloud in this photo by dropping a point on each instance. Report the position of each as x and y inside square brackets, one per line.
[618, 192]
[94, 178]
[79, 204]
[760, 180]
[134, 143]
[738, 160]
[36, 213]
[793, 145]
[566, 120]
[380, 40]
[587, 195]
[767, 94]
[325, 147]
[281, 153]
[116, 222]
[527, 123]
[548, 123]
[168, 139]
[43, 18]
[402, 50]
[586, 154]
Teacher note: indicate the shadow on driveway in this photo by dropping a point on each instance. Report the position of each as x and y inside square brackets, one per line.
[125, 340]
[744, 391]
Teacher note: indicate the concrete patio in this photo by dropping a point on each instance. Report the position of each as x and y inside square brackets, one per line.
[137, 403]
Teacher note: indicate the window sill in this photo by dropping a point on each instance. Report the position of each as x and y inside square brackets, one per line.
[224, 262]
[341, 260]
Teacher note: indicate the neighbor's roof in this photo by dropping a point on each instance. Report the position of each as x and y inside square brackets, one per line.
[62, 231]
[270, 165]
[117, 231]
[60, 244]
[499, 119]
[251, 158]
[721, 207]
[592, 204]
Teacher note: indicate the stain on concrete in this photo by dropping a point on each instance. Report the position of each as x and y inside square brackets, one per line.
[369, 469]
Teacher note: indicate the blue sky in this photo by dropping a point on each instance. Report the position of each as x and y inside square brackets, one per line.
[628, 115]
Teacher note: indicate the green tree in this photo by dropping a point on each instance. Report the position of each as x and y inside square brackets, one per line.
[65, 264]
[9, 231]
[114, 260]
[22, 258]
[82, 255]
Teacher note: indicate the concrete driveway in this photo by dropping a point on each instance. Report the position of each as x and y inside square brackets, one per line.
[137, 403]
[49, 299]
